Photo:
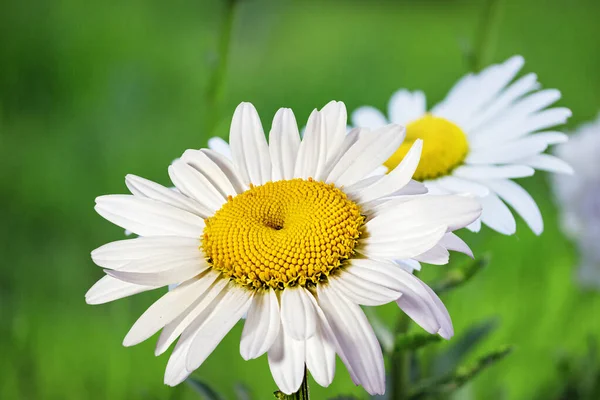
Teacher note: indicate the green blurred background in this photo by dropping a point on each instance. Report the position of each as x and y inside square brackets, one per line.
[91, 91]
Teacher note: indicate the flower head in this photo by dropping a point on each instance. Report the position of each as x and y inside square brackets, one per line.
[579, 198]
[488, 131]
[295, 234]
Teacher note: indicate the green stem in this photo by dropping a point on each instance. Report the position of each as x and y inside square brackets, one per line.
[485, 35]
[400, 364]
[301, 394]
[214, 92]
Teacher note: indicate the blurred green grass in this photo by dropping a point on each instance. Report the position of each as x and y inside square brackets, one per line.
[92, 91]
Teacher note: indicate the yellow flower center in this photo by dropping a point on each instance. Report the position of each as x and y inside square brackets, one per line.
[283, 233]
[445, 147]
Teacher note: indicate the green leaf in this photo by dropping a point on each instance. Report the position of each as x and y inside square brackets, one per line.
[456, 277]
[460, 347]
[206, 392]
[242, 392]
[414, 341]
[449, 383]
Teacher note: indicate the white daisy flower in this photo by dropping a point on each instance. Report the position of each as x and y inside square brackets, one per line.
[579, 198]
[487, 131]
[289, 233]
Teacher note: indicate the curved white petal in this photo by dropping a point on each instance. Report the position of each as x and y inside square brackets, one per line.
[405, 107]
[145, 188]
[226, 165]
[368, 117]
[459, 185]
[202, 163]
[109, 289]
[117, 254]
[227, 312]
[199, 309]
[497, 216]
[335, 117]
[298, 315]
[312, 153]
[220, 146]
[366, 290]
[167, 308]
[147, 217]
[262, 325]
[396, 179]
[368, 153]
[357, 344]
[286, 362]
[249, 146]
[484, 172]
[194, 184]
[284, 141]
[521, 201]
[548, 163]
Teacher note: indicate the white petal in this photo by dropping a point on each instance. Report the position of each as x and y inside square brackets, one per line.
[228, 169]
[475, 226]
[422, 306]
[167, 308]
[484, 172]
[368, 117]
[262, 325]
[320, 352]
[116, 254]
[459, 185]
[146, 217]
[312, 153]
[160, 270]
[356, 342]
[297, 313]
[397, 179]
[284, 141]
[452, 242]
[409, 265]
[335, 117]
[506, 153]
[521, 201]
[368, 153]
[286, 362]
[364, 288]
[220, 146]
[229, 310]
[405, 107]
[195, 185]
[420, 211]
[349, 141]
[497, 216]
[110, 289]
[145, 188]
[549, 163]
[520, 87]
[202, 163]
[200, 309]
[437, 255]
[249, 146]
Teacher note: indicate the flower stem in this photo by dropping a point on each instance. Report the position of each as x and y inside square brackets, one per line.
[301, 394]
[214, 92]
[400, 364]
[485, 35]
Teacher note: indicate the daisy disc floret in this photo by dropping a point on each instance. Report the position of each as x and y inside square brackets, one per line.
[296, 234]
[489, 130]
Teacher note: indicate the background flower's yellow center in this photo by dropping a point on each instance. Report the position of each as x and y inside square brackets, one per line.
[445, 147]
[283, 233]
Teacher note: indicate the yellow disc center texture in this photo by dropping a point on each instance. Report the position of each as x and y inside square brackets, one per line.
[283, 233]
[445, 147]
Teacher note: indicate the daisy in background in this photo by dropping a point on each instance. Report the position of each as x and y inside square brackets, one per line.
[292, 233]
[579, 198]
[489, 130]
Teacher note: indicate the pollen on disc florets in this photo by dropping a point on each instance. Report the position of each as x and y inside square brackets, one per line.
[445, 147]
[283, 233]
